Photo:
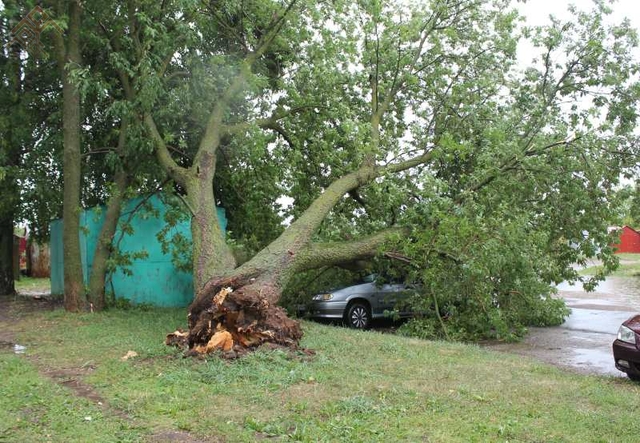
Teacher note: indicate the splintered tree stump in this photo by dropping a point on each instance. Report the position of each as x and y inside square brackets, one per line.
[234, 315]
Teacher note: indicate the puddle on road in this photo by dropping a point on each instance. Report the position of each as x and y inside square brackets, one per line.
[595, 360]
[614, 292]
[612, 285]
[583, 342]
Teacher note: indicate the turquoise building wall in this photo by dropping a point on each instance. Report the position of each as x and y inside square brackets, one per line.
[154, 279]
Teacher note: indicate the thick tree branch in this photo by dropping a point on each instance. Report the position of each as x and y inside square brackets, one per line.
[318, 210]
[407, 164]
[317, 255]
[295, 238]
[178, 173]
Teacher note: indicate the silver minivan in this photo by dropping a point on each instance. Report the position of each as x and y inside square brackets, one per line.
[357, 305]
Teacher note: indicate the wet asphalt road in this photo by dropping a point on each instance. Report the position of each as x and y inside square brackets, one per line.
[583, 342]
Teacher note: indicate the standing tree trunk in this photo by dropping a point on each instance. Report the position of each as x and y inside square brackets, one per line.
[10, 147]
[69, 60]
[7, 286]
[211, 254]
[105, 238]
[212, 257]
[104, 244]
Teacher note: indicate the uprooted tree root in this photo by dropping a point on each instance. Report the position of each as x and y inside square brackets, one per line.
[233, 316]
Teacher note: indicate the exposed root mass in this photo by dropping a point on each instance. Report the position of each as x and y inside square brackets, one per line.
[235, 315]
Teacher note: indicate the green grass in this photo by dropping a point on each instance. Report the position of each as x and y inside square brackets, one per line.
[33, 284]
[359, 387]
[33, 409]
[629, 267]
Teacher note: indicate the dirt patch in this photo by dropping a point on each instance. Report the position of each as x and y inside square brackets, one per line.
[72, 378]
[13, 307]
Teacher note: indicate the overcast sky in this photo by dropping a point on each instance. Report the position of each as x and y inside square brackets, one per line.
[536, 12]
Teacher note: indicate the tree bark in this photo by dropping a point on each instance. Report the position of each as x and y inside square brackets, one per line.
[318, 255]
[10, 157]
[212, 256]
[7, 286]
[69, 59]
[104, 244]
[108, 230]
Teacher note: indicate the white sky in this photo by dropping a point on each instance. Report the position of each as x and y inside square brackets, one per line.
[536, 13]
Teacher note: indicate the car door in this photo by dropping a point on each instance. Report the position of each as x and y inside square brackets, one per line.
[387, 296]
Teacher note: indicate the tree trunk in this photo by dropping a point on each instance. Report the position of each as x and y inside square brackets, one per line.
[104, 244]
[10, 159]
[238, 312]
[16, 259]
[108, 230]
[7, 286]
[212, 256]
[73, 279]
[241, 306]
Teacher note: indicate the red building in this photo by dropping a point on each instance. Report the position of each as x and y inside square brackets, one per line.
[629, 241]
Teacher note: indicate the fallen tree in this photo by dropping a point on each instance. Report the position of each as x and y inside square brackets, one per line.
[382, 125]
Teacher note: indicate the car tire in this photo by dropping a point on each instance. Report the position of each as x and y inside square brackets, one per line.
[633, 377]
[358, 315]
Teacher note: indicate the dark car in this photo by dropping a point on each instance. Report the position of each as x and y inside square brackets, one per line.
[626, 348]
[357, 305]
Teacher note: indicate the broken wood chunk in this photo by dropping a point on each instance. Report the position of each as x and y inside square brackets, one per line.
[219, 298]
[128, 355]
[248, 328]
[248, 340]
[221, 340]
[177, 338]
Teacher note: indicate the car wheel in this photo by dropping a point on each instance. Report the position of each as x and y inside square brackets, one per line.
[633, 377]
[358, 316]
